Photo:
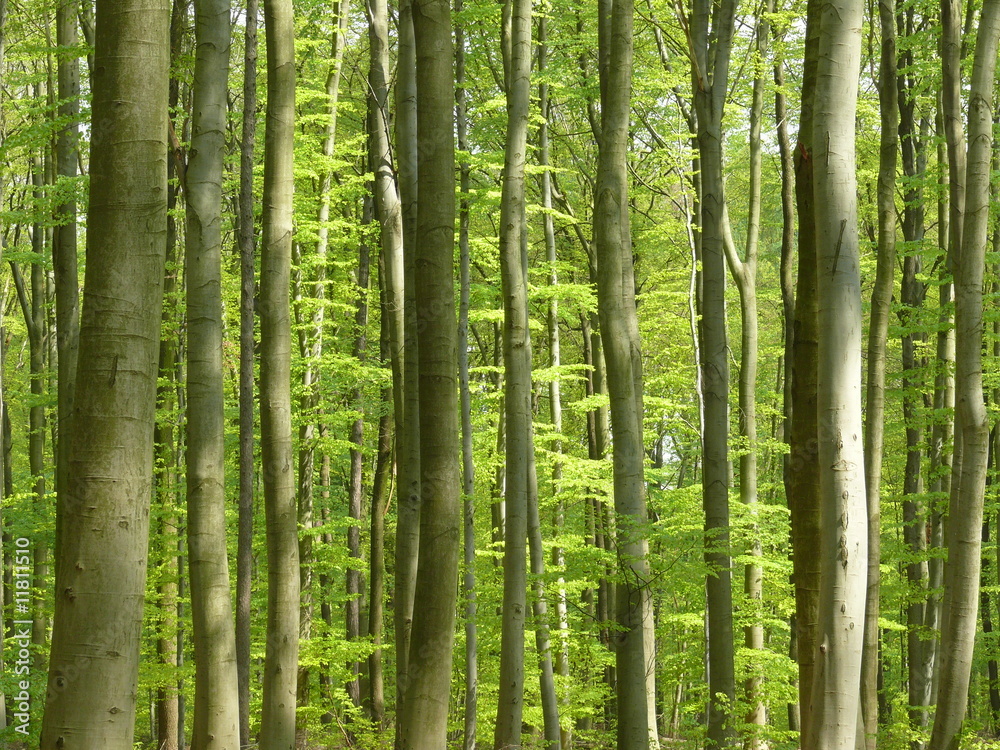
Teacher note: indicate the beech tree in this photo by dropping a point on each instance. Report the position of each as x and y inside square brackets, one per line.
[91, 697]
[844, 540]
[281, 656]
[216, 708]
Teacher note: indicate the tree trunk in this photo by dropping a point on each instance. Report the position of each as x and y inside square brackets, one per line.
[95, 647]
[471, 706]
[844, 543]
[64, 244]
[352, 614]
[802, 482]
[425, 709]
[972, 430]
[620, 338]
[555, 394]
[710, 74]
[745, 275]
[517, 374]
[216, 707]
[281, 654]
[245, 236]
[406, 398]
[878, 332]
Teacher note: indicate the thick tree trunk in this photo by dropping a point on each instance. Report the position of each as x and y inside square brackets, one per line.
[972, 429]
[281, 654]
[216, 707]
[425, 710]
[103, 568]
[844, 542]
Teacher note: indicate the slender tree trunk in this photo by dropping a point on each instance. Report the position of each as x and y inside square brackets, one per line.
[844, 542]
[425, 709]
[103, 568]
[166, 482]
[912, 294]
[468, 468]
[802, 484]
[878, 332]
[972, 430]
[216, 708]
[744, 272]
[406, 395]
[547, 686]
[246, 234]
[710, 75]
[620, 338]
[388, 212]
[281, 654]
[376, 563]
[355, 489]
[64, 243]
[517, 374]
[555, 394]
[788, 315]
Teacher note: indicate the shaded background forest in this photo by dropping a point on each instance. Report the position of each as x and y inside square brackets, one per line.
[349, 487]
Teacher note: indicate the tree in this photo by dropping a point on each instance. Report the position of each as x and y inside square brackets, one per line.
[634, 660]
[216, 708]
[844, 541]
[281, 655]
[425, 711]
[517, 373]
[102, 569]
[710, 75]
[972, 424]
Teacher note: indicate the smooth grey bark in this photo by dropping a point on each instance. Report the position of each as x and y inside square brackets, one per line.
[248, 289]
[878, 332]
[711, 39]
[388, 214]
[961, 597]
[216, 703]
[425, 711]
[96, 633]
[620, 338]
[802, 478]
[844, 517]
[519, 447]
[281, 651]
[64, 242]
[401, 265]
